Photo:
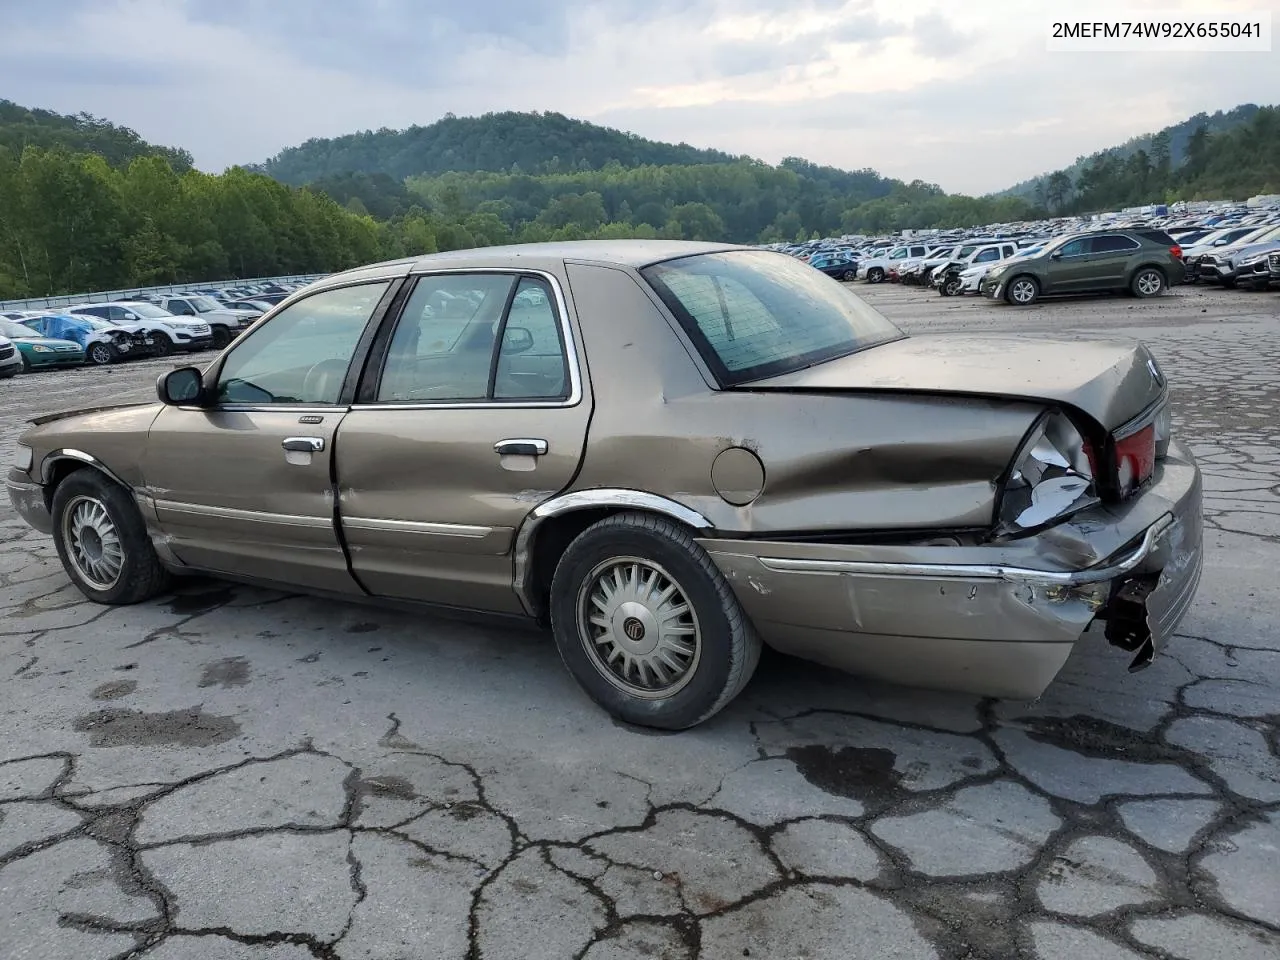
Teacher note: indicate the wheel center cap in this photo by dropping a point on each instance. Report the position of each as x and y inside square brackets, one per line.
[635, 628]
[92, 542]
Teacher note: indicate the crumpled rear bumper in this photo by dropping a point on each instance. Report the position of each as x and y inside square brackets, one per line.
[998, 619]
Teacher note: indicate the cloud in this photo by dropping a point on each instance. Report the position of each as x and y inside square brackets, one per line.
[964, 97]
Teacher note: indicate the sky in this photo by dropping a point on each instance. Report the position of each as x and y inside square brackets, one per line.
[962, 94]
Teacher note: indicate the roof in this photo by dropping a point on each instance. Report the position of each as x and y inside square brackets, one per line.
[623, 253]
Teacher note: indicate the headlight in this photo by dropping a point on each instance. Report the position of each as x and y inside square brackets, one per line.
[1051, 477]
[24, 458]
[41, 348]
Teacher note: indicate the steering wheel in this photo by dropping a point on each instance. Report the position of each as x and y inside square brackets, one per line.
[323, 382]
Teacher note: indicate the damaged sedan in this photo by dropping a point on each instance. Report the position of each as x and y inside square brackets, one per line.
[669, 454]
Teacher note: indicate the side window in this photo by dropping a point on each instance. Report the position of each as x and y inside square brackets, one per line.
[986, 256]
[1074, 248]
[302, 354]
[532, 364]
[443, 345]
[1112, 243]
[116, 314]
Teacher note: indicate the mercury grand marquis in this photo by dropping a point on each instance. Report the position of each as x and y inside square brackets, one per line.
[669, 454]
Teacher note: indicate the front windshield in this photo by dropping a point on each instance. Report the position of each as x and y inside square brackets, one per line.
[150, 311]
[16, 331]
[754, 314]
[203, 304]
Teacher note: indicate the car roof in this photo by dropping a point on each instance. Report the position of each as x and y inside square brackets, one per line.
[621, 253]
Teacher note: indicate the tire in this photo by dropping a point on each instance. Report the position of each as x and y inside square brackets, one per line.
[1022, 291]
[951, 287]
[221, 337]
[849, 276]
[875, 275]
[163, 345]
[100, 354]
[1147, 282]
[103, 542]
[26, 364]
[706, 674]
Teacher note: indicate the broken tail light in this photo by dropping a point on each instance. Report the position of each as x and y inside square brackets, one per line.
[1135, 459]
[1052, 477]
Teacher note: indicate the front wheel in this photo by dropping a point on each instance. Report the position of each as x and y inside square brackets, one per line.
[849, 276]
[1023, 291]
[1147, 282]
[162, 344]
[875, 275]
[101, 354]
[221, 337]
[951, 287]
[648, 625]
[102, 541]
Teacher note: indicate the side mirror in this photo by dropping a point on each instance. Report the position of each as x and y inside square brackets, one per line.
[517, 340]
[181, 387]
[1056, 255]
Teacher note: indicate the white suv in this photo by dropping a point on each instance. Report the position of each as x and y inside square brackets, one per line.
[877, 268]
[168, 332]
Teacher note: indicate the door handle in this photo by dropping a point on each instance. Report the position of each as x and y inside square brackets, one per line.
[521, 447]
[303, 444]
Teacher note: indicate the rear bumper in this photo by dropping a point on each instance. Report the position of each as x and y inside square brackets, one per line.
[996, 620]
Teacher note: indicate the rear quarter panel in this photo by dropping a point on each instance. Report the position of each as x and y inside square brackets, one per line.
[833, 462]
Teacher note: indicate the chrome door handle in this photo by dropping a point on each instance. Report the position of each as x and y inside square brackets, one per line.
[303, 444]
[521, 447]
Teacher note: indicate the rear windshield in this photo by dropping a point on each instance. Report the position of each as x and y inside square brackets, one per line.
[755, 314]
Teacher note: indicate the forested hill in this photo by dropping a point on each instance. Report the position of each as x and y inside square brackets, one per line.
[1170, 142]
[83, 133]
[496, 142]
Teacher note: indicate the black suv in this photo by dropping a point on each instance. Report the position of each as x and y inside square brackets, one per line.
[1144, 261]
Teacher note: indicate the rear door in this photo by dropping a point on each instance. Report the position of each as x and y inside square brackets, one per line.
[474, 411]
[1108, 260]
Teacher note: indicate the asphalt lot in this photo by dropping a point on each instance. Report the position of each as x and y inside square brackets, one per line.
[231, 774]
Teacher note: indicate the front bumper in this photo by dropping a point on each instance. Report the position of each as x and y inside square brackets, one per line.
[195, 343]
[28, 501]
[997, 619]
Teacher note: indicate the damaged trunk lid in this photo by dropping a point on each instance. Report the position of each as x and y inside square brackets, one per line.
[1112, 381]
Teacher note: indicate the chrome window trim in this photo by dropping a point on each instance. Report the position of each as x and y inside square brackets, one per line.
[263, 408]
[962, 571]
[468, 531]
[612, 497]
[566, 331]
[232, 513]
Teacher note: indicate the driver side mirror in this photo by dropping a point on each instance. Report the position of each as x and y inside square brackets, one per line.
[1056, 255]
[181, 387]
[517, 340]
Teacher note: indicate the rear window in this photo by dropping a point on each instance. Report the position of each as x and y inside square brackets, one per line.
[1158, 236]
[755, 314]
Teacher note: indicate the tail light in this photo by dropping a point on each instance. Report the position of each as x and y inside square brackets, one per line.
[1135, 459]
[1176, 251]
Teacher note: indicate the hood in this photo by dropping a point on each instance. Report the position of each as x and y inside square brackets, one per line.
[84, 411]
[1110, 381]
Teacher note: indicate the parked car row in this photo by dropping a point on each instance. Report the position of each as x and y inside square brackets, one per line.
[1019, 263]
[149, 326]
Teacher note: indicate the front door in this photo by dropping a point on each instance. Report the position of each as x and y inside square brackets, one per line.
[1069, 266]
[477, 414]
[244, 485]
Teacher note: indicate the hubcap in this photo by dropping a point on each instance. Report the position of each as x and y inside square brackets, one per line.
[101, 354]
[1149, 284]
[92, 542]
[639, 629]
[1023, 291]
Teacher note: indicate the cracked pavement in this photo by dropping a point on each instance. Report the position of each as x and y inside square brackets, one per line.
[234, 774]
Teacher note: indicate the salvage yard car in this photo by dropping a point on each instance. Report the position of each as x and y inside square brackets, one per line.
[667, 452]
[35, 352]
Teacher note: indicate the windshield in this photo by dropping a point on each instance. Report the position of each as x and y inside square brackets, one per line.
[203, 304]
[757, 314]
[149, 310]
[16, 331]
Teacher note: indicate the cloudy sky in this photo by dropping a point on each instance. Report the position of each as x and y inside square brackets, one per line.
[960, 94]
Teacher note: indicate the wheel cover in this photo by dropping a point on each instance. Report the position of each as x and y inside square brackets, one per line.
[1148, 283]
[638, 627]
[1022, 291]
[92, 542]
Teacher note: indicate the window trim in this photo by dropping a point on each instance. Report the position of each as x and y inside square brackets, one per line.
[378, 355]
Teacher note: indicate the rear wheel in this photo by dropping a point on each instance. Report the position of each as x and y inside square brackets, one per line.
[1147, 282]
[100, 354]
[648, 625]
[849, 276]
[102, 541]
[1022, 291]
[875, 275]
